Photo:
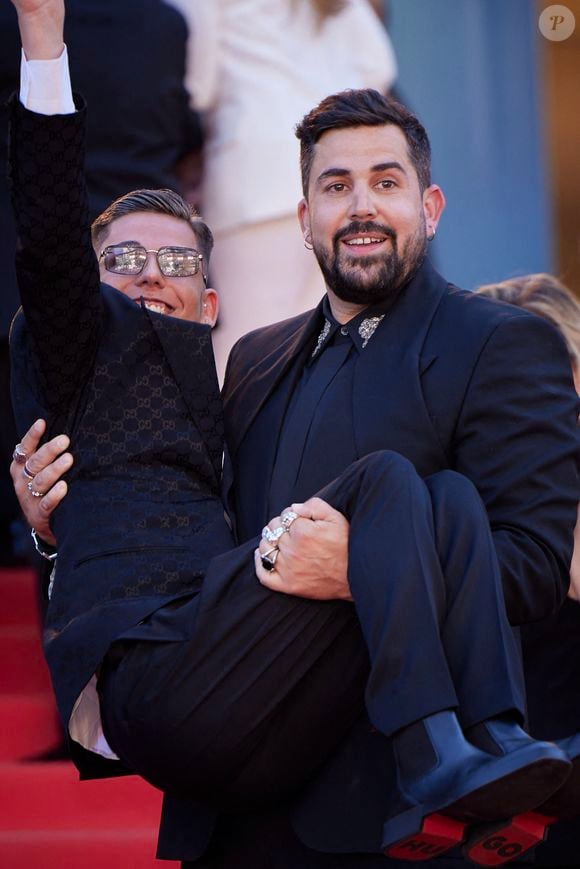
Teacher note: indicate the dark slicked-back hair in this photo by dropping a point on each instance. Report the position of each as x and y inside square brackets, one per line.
[157, 202]
[363, 108]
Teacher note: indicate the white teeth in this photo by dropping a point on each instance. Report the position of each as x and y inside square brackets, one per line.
[159, 307]
[365, 240]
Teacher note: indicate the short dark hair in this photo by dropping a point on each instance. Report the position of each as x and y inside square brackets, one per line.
[363, 108]
[161, 201]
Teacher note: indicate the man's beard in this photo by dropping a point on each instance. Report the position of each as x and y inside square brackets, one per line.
[374, 278]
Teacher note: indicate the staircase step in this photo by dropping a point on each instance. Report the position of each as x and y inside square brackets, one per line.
[47, 850]
[28, 726]
[19, 595]
[49, 796]
[23, 668]
[51, 820]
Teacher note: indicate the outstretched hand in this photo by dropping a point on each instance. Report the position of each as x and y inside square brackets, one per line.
[313, 554]
[47, 463]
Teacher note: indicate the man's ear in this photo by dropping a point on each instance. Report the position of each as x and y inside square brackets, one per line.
[433, 205]
[209, 307]
[304, 217]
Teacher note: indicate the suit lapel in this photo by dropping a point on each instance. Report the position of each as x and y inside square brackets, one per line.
[389, 410]
[243, 403]
[189, 352]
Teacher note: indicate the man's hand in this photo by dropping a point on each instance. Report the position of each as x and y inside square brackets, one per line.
[313, 554]
[48, 465]
[41, 24]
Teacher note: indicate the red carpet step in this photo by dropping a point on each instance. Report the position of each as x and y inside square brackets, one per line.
[23, 669]
[18, 587]
[28, 726]
[51, 820]
[48, 818]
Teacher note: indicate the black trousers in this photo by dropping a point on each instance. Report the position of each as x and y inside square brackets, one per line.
[267, 685]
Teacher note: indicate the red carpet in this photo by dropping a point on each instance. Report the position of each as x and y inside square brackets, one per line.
[48, 819]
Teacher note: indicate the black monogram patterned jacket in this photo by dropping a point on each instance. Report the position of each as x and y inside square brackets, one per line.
[138, 395]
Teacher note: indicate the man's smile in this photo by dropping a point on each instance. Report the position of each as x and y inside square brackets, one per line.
[156, 305]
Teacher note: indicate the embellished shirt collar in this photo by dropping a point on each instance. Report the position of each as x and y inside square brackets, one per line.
[361, 328]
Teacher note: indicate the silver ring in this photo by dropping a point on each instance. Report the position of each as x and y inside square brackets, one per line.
[19, 455]
[33, 492]
[273, 536]
[269, 558]
[288, 518]
[27, 472]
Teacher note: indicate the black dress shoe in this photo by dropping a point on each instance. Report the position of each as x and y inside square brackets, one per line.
[443, 777]
[495, 844]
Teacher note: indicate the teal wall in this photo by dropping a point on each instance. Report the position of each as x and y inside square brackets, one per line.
[470, 71]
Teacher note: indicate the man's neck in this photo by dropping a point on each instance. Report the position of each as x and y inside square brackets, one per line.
[343, 311]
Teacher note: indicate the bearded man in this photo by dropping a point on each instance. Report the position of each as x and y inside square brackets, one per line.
[394, 358]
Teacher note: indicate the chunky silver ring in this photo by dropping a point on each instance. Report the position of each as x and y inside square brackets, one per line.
[19, 455]
[272, 536]
[27, 472]
[269, 558]
[33, 491]
[288, 518]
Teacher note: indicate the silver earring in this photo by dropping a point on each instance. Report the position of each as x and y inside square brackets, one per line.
[432, 236]
[308, 241]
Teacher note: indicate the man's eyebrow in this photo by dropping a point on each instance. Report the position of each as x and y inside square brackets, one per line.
[338, 172]
[333, 172]
[392, 164]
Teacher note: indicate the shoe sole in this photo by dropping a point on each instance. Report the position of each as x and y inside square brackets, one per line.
[436, 835]
[498, 843]
[517, 791]
[514, 788]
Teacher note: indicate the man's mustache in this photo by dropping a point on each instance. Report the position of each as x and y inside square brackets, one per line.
[360, 228]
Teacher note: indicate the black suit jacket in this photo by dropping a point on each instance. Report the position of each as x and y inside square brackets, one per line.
[137, 393]
[451, 380]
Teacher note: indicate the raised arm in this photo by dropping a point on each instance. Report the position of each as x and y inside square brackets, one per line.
[56, 267]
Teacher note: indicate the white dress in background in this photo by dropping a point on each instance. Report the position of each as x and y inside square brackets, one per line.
[257, 67]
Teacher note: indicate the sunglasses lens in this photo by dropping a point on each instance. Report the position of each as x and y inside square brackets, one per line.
[125, 260]
[173, 261]
[178, 261]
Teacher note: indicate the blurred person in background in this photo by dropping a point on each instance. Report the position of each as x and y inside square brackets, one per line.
[142, 132]
[259, 66]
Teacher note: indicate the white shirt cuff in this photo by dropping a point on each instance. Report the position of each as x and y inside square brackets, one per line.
[45, 86]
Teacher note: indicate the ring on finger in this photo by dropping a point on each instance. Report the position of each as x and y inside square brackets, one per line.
[273, 536]
[19, 455]
[269, 558]
[288, 518]
[27, 472]
[34, 492]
